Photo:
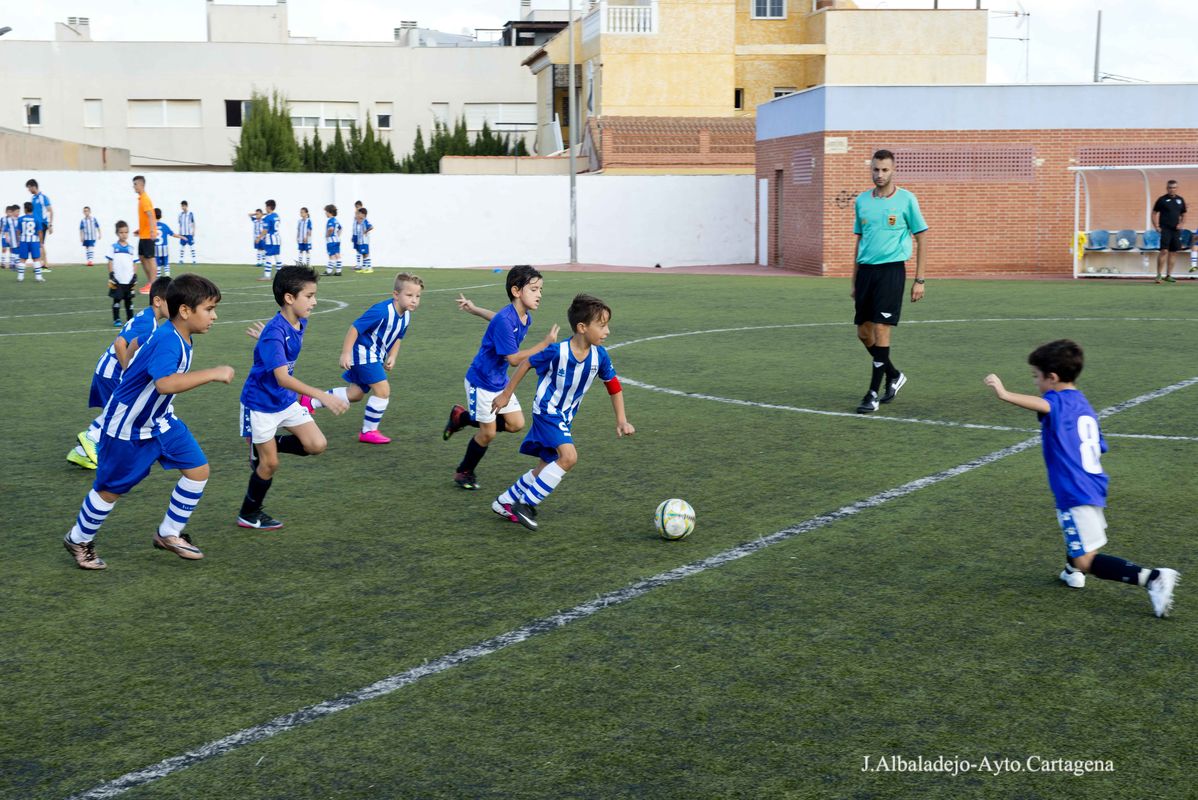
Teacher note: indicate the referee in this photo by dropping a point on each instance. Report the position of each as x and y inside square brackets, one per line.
[886, 218]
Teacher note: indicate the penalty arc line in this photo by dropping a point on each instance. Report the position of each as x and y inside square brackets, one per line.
[553, 622]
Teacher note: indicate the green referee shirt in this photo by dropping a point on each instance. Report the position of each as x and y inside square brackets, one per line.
[886, 225]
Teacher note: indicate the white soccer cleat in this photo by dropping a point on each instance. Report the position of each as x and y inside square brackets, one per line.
[1160, 591]
[1074, 580]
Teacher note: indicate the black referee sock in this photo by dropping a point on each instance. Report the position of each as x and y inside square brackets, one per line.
[1113, 568]
[880, 356]
[291, 445]
[474, 454]
[255, 495]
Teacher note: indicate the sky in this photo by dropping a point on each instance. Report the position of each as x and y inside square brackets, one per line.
[1147, 40]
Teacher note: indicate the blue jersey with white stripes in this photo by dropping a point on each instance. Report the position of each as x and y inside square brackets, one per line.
[303, 230]
[278, 346]
[90, 226]
[136, 409]
[137, 329]
[187, 223]
[378, 331]
[27, 228]
[257, 232]
[9, 227]
[270, 224]
[1073, 445]
[362, 229]
[162, 243]
[564, 379]
[332, 230]
[40, 204]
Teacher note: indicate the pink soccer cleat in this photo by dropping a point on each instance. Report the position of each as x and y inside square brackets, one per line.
[373, 437]
[306, 402]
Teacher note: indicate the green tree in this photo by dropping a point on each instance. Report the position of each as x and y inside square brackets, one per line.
[318, 157]
[337, 156]
[267, 141]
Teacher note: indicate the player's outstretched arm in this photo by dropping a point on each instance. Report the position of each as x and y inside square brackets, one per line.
[1028, 401]
[522, 356]
[470, 308]
[185, 381]
[347, 348]
[329, 400]
[505, 397]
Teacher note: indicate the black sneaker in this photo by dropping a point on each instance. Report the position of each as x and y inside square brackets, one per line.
[525, 514]
[455, 423]
[892, 388]
[259, 520]
[869, 403]
[466, 480]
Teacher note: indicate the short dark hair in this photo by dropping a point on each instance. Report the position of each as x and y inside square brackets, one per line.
[120, 223]
[520, 276]
[332, 209]
[190, 290]
[87, 208]
[158, 213]
[362, 210]
[31, 182]
[303, 208]
[291, 280]
[28, 206]
[357, 203]
[1170, 182]
[586, 308]
[182, 202]
[137, 178]
[883, 155]
[1064, 357]
[159, 286]
[270, 204]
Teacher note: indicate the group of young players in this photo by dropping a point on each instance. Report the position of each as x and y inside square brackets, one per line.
[23, 235]
[136, 379]
[268, 239]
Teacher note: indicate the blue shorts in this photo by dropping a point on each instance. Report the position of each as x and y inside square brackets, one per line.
[187, 240]
[305, 247]
[354, 239]
[334, 248]
[271, 249]
[89, 242]
[124, 464]
[545, 436]
[363, 375]
[102, 389]
[162, 261]
[29, 250]
[364, 249]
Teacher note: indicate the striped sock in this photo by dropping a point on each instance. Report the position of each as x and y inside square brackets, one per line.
[180, 254]
[532, 489]
[340, 391]
[92, 514]
[359, 263]
[375, 407]
[366, 262]
[20, 269]
[193, 255]
[91, 254]
[184, 500]
[37, 269]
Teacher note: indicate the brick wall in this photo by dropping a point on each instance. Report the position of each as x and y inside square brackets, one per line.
[987, 214]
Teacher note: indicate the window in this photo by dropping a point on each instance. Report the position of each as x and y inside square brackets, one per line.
[769, 9]
[165, 114]
[501, 116]
[236, 112]
[782, 91]
[441, 113]
[93, 113]
[33, 111]
[382, 116]
[738, 101]
[319, 114]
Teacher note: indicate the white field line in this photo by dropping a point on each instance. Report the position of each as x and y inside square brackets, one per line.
[548, 624]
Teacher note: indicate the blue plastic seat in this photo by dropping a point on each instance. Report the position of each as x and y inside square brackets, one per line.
[1150, 240]
[1098, 240]
[1186, 238]
[1125, 240]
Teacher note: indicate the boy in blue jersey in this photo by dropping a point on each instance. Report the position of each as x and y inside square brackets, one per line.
[140, 427]
[8, 237]
[332, 240]
[187, 231]
[271, 241]
[565, 372]
[259, 247]
[487, 375]
[303, 239]
[29, 247]
[1073, 446]
[113, 361]
[270, 398]
[162, 250]
[369, 352]
[43, 213]
[354, 236]
[362, 229]
[89, 234]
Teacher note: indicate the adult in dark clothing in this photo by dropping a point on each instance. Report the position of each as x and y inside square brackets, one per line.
[1168, 214]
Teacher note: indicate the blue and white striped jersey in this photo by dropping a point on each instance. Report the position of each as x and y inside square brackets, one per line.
[27, 228]
[162, 243]
[136, 410]
[270, 224]
[563, 379]
[362, 229]
[40, 204]
[9, 227]
[303, 230]
[187, 223]
[139, 328]
[91, 228]
[332, 230]
[257, 232]
[378, 330]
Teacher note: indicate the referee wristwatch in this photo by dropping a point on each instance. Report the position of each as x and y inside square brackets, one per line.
[920, 281]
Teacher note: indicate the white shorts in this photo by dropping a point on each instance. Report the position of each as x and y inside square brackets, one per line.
[1084, 529]
[263, 425]
[478, 403]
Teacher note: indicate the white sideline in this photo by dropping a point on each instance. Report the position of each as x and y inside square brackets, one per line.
[386, 686]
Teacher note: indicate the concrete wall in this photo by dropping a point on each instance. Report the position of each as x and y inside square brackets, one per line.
[22, 151]
[432, 220]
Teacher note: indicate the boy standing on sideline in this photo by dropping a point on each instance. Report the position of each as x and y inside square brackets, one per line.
[140, 427]
[487, 375]
[369, 352]
[89, 234]
[885, 220]
[269, 399]
[187, 231]
[362, 229]
[113, 361]
[43, 214]
[122, 274]
[1073, 446]
[270, 241]
[162, 249]
[332, 240]
[565, 372]
[259, 247]
[147, 232]
[8, 237]
[303, 239]
[354, 236]
[29, 248]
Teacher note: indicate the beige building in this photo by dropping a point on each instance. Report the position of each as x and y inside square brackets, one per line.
[180, 105]
[723, 58]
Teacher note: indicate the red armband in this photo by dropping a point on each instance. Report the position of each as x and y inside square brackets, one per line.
[613, 386]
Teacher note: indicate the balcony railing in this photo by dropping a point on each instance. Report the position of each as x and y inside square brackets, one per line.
[609, 18]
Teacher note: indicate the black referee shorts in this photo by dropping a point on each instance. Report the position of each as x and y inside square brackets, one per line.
[1170, 239]
[879, 292]
[145, 248]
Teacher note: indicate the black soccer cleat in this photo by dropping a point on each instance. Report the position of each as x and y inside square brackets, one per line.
[466, 480]
[259, 520]
[525, 514]
[892, 388]
[455, 423]
[869, 403]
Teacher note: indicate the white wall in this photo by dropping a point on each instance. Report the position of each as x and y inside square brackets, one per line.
[430, 220]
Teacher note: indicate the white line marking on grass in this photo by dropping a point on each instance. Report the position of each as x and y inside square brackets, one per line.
[386, 686]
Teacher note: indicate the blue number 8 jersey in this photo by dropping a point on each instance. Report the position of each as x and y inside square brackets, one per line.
[1073, 445]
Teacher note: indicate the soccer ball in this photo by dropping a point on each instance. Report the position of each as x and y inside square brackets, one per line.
[1123, 243]
[675, 519]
